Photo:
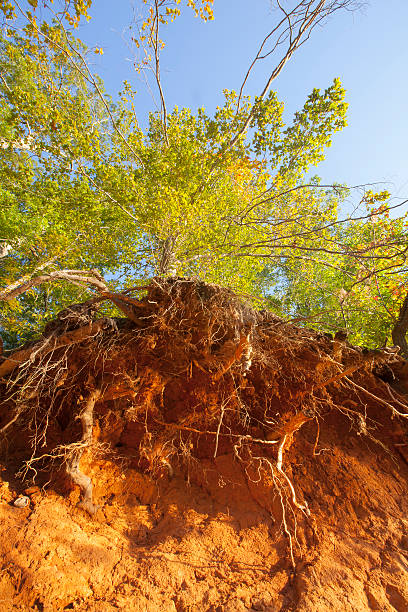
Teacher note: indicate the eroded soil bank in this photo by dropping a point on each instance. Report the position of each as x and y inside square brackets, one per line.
[200, 455]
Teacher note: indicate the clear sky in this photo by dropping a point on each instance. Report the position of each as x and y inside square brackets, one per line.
[368, 50]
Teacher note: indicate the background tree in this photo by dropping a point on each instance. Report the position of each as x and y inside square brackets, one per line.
[358, 279]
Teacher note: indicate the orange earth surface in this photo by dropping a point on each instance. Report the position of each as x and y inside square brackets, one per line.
[237, 463]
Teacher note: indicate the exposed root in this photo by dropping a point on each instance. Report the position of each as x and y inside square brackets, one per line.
[394, 411]
[49, 345]
[264, 464]
[158, 453]
[72, 468]
[242, 349]
[191, 372]
[303, 507]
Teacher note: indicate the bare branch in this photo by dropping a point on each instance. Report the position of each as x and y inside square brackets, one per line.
[294, 29]
[155, 43]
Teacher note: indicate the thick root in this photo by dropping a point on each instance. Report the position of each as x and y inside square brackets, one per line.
[78, 477]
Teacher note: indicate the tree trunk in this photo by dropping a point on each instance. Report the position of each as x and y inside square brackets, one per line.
[166, 265]
[400, 329]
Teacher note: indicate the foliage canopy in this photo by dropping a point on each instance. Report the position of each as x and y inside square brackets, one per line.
[226, 197]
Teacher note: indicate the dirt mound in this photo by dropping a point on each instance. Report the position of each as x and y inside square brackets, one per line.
[200, 455]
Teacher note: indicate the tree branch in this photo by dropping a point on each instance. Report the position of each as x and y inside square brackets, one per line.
[155, 44]
[300, 21]
[19, 287]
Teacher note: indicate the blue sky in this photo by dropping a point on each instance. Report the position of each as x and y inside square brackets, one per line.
[368, 50]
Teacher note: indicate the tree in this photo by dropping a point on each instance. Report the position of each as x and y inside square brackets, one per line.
[358, 281]
[225, 198]
[51, 130]
[93, 201]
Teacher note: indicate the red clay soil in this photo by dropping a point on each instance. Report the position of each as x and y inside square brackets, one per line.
[238, 463]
